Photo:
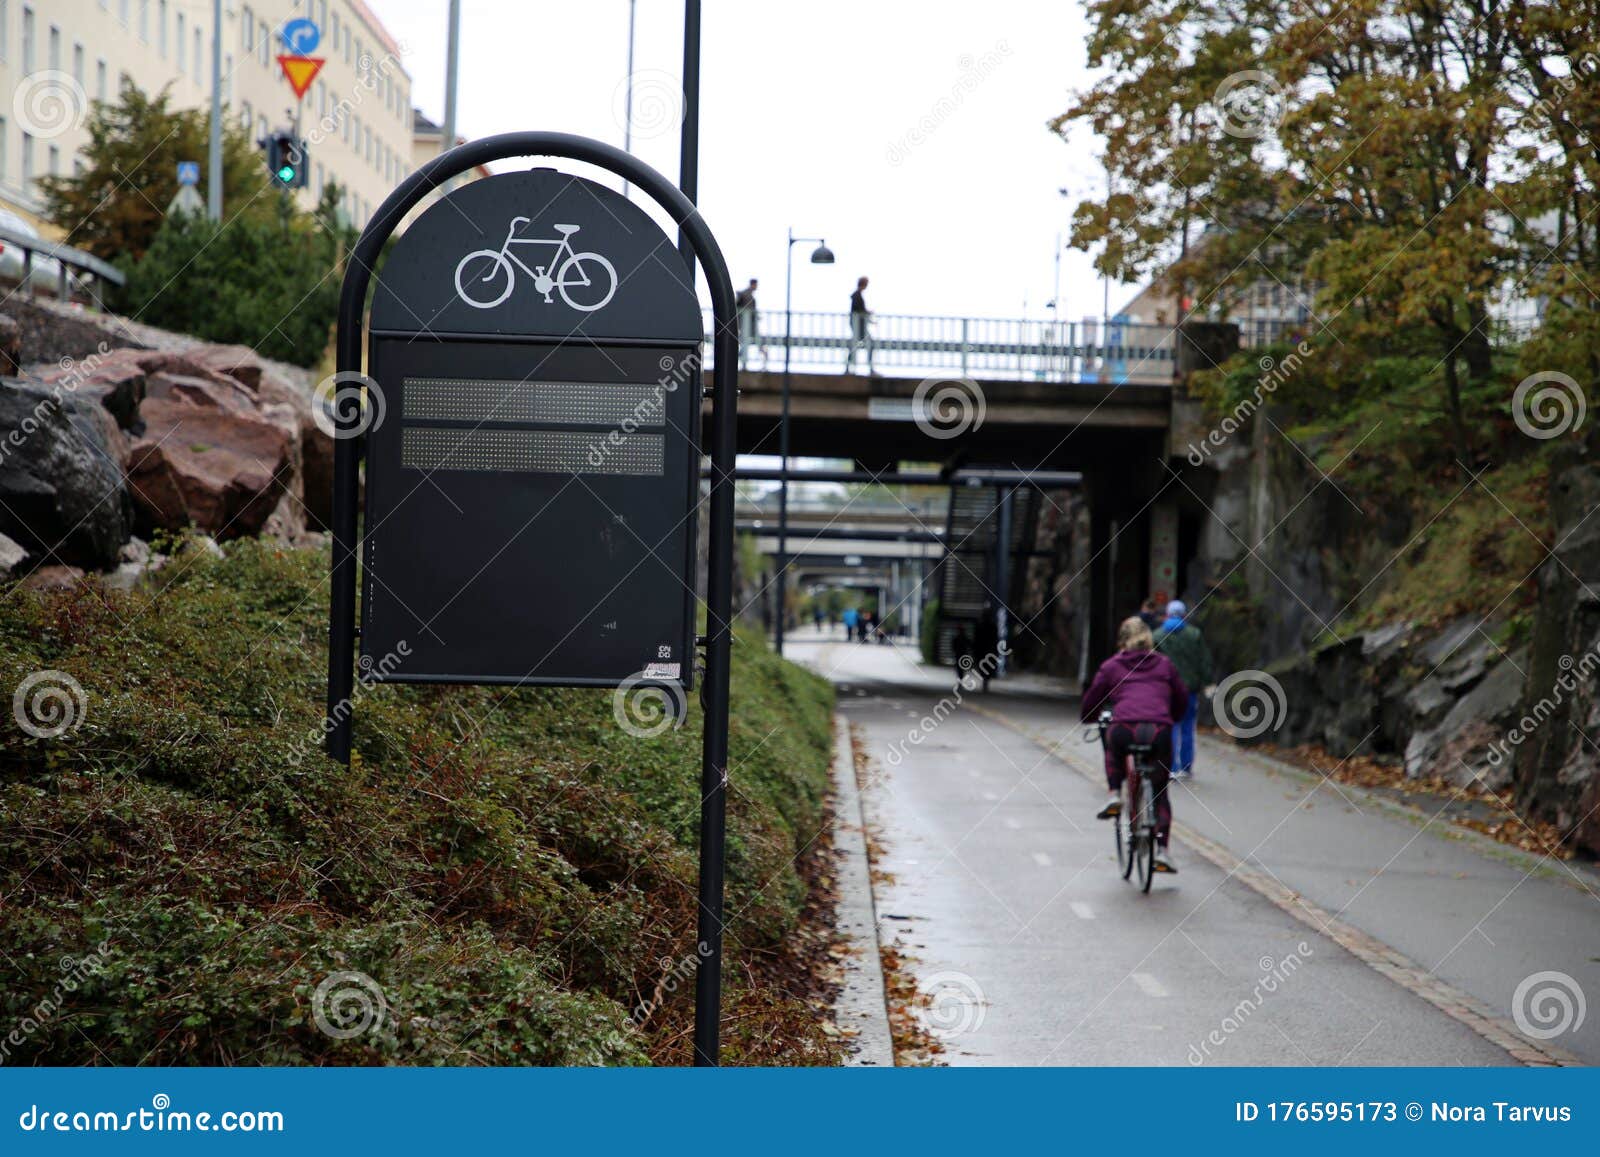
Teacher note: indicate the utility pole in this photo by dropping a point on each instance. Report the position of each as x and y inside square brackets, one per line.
[447, 135]
[689, 135]
[214, 161]
[627, 115]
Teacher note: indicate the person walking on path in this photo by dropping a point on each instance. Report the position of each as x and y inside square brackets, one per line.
[1181, 641]
[987, 644]
[860, 327]
[1145, 694]
[851, 617]
[749, 324]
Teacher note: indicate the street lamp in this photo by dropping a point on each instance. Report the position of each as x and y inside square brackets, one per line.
[821, 255]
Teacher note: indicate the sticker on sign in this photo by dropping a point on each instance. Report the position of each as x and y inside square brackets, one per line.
[662, 670]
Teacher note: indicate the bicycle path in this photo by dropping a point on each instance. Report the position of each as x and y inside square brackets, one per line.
[998, 883]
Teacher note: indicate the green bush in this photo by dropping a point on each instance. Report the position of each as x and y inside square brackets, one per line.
[512, 870]
[928, 635]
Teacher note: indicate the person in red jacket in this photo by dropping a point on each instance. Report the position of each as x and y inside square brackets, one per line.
[1141, 686]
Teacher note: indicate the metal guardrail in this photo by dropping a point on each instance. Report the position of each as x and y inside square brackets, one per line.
[65, 257]
[976, 347]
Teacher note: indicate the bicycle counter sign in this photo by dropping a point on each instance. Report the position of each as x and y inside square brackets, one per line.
[531, 486]
[586, 281]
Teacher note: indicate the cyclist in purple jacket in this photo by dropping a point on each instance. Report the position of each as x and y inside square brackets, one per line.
[1140, 685]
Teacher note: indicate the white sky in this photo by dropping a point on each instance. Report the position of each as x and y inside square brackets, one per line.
[802, 106]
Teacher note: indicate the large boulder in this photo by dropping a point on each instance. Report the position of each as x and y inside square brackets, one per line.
[221, 471]
[62, 496]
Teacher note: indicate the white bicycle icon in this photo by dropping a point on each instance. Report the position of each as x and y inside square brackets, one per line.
[586, 281]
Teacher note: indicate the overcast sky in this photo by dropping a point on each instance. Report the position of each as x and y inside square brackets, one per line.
[911, 135]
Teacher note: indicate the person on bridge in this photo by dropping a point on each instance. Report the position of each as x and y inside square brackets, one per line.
[749, 324]
[1141, 687]
[1181, 641]
[860, 327]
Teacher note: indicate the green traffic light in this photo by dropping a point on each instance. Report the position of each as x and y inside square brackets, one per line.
[286, 174]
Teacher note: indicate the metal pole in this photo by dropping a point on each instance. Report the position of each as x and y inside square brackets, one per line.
[214, 160]
[689, 136]
[627, 116]
[783, 444]
[452, 55]
[1002, 579]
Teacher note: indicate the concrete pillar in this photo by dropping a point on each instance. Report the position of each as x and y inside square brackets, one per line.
[1162, 582]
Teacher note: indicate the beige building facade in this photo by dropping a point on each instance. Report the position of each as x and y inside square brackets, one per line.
[57, 56]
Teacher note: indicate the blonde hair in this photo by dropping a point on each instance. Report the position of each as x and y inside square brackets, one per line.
[1133, 635]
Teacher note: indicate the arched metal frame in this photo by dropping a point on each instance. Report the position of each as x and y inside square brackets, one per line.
[699, 242]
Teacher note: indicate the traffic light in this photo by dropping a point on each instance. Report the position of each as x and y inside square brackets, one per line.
[286, 159]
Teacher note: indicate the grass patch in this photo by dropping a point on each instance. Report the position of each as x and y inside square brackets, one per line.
[513, 871]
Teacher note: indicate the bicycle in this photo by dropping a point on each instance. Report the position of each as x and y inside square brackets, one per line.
[1135, 824]
[572, 272]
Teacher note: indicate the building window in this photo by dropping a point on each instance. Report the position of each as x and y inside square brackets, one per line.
[122, 12]
[27, 39]
[181, 41]
[55, 160]
[100, 93]
[53, 51]
[227, 78]
[199, 57]
[161, 28]
[77, 64]
[5, 29]
[144, 20]
[246, 116]
[334, 34]
[247, 30]
[4, 137]
[27, 160]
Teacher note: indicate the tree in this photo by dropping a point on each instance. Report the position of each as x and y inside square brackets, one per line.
[1368, 145]
[114, 207]
[272, 284]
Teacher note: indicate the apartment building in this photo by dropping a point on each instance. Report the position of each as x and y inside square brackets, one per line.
[58, 55]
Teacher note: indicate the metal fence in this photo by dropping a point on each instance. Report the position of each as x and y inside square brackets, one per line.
[976, 347]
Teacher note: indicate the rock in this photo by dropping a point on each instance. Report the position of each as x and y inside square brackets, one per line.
[114, 380]
[316, 451]
[12, 556]
[135, 550]
[206, 392]
[236, 361]
[53, 578]
[62, 495]
[219, 471]
[10, 347]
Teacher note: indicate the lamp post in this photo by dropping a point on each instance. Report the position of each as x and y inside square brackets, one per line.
[821, 255]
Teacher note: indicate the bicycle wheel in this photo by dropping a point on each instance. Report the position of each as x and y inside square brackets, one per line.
[1145, 860]
[592, 276]
[1126, 829]
[484, 278]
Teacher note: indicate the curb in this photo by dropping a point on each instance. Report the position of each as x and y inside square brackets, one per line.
[862, 1004]
[1405, 972]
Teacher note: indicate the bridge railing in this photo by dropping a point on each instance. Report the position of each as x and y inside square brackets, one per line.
[1013, 349]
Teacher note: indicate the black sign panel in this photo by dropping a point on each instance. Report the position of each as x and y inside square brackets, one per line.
[532, 476]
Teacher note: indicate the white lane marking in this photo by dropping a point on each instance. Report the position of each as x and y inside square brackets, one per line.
[1013, 823]
[990, 796]
[1082, 911]
[1041, 859]
[1148, 984]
